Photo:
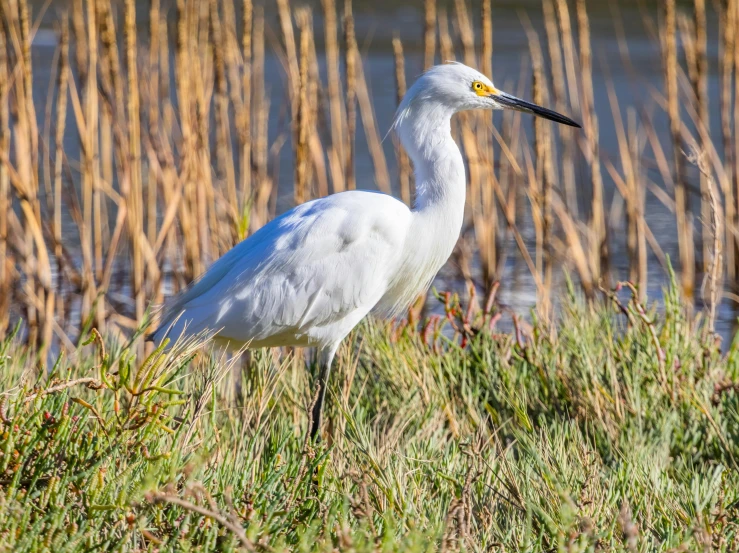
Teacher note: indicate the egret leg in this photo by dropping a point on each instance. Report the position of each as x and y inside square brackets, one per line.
[326, 357]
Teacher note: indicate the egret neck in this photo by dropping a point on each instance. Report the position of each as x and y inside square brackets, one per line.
[424, 129]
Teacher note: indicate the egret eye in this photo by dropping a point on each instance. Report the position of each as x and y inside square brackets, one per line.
[479, 88]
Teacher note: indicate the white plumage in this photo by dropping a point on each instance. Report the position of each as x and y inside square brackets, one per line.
[309, 276]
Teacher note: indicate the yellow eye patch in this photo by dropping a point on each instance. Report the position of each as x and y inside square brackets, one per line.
[481, 89]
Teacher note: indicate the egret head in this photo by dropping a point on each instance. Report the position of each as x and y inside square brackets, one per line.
[456, 87]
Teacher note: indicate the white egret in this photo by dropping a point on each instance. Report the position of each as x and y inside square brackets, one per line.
[309, 276]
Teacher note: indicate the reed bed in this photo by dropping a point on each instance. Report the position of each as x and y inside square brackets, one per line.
[176, 161]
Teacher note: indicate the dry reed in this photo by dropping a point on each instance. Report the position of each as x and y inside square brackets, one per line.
[404, 167]
[178, 163]
[350, 70]
[684, 221]
[598, 254]
[429, 33]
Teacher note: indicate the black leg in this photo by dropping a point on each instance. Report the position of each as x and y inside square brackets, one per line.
[326, 357]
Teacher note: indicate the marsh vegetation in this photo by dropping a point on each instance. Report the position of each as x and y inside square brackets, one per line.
[597, 421]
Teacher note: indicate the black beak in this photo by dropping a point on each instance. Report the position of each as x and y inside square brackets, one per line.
[522, 105]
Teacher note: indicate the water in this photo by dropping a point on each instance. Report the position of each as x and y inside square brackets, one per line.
[378, 21]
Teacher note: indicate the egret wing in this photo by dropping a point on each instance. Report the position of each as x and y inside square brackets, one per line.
[301, 278]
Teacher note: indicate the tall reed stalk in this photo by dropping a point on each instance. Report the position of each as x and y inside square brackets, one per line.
[682, 210]
[544, 178]
[429, 33]
[730, 185]
[350, 70]
[598, 236]
[404, 166]
[335, 100]
[6, 280]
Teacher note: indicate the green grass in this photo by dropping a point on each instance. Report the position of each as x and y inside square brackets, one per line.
[572, 438]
